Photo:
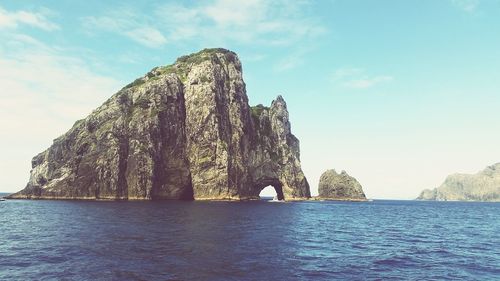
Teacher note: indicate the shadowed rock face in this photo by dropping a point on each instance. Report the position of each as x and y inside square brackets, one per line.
[339, 186]
[483, 186]
[183, 131]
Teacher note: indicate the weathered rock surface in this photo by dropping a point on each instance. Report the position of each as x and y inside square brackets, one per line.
[183, 131]
[339, 186]
[483, 186]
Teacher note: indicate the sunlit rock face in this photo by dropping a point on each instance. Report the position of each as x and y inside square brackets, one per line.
[339, 186]
[183, 131]
[483, 186]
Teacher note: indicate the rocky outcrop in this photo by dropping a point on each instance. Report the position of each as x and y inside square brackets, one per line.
[183, 131]
[483, 186]
[339, 187]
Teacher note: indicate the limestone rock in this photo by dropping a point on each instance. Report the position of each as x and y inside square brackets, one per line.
[183, 131]
[339, 186]
[483, 186]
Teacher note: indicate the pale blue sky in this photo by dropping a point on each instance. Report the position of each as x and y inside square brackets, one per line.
[397, 93]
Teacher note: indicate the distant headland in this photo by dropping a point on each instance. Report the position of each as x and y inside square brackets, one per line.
[483, 186]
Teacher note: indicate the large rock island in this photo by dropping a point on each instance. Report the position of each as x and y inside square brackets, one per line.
[183, 131]
[334, 186]
[483, 186]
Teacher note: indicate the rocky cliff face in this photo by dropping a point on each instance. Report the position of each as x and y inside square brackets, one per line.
[339, 186]
[483, 186]
[183, 131]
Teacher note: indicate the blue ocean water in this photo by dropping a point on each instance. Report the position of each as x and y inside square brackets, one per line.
[379, 240]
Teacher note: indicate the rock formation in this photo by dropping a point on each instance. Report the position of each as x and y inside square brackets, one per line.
[183, 131]
[339, 187]
[483, 186]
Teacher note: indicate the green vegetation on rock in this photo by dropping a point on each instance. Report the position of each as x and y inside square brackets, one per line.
[202, 56]
[182, 66]
[256, 112]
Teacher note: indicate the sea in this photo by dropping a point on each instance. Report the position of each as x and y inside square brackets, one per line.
[258, 240]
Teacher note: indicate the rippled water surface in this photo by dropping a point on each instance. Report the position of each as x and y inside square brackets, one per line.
[389, 240]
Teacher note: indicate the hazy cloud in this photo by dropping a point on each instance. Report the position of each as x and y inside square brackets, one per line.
[364, 83]
[292, 60]
[270, 23]
[342, 73]
[357, 78]
[252, 21]
[43, 91]
[127, 24]
[49, 87]
[9, 19]
[466, 5]
[147, 36]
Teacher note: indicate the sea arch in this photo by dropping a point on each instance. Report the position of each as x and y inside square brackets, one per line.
[275, 183]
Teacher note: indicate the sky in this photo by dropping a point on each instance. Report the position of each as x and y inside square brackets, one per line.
[399, 94]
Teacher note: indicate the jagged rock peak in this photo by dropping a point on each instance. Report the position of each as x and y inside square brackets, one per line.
[182, 131]
[339, 186]
[482, 186]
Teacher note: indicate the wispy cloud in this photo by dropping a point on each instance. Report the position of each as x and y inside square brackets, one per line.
[49, 87]
[127, 24]
[211, 23]
[343, 73]
[43, 90]
[12, 20]
[253, 21]
[147, 36]
[469, 6]
[357, 78]
[364, 83]
[292, 60]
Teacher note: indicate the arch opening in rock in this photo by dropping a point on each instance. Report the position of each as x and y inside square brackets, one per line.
[273, 189]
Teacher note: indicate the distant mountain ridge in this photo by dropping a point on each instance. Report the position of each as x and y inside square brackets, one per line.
[483, 186]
